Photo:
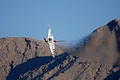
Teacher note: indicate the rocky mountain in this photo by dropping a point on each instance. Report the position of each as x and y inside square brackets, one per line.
[95, 58]
[100, 53]
[20, 56]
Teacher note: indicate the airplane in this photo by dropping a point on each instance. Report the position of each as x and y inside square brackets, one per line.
[51, 42]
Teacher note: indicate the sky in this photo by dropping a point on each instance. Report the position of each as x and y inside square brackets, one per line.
[70, 19]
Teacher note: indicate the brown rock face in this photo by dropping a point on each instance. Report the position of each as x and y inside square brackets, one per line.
[97, 59]
[26, 58]
[101, 51]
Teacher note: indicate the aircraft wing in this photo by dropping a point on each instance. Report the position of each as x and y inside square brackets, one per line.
[52, 49]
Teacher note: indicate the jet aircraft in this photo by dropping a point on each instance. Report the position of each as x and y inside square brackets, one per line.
[51, 42]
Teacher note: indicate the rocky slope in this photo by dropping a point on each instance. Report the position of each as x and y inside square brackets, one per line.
[26, 58]
[96, 59]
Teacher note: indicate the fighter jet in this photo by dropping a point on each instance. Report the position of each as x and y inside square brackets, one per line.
[51, 42]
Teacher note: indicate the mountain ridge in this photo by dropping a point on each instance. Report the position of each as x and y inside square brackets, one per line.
[98, 58]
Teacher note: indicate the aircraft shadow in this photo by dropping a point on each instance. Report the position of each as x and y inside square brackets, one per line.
[33, 64]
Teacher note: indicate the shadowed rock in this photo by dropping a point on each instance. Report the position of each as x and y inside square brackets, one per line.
[25, 70]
